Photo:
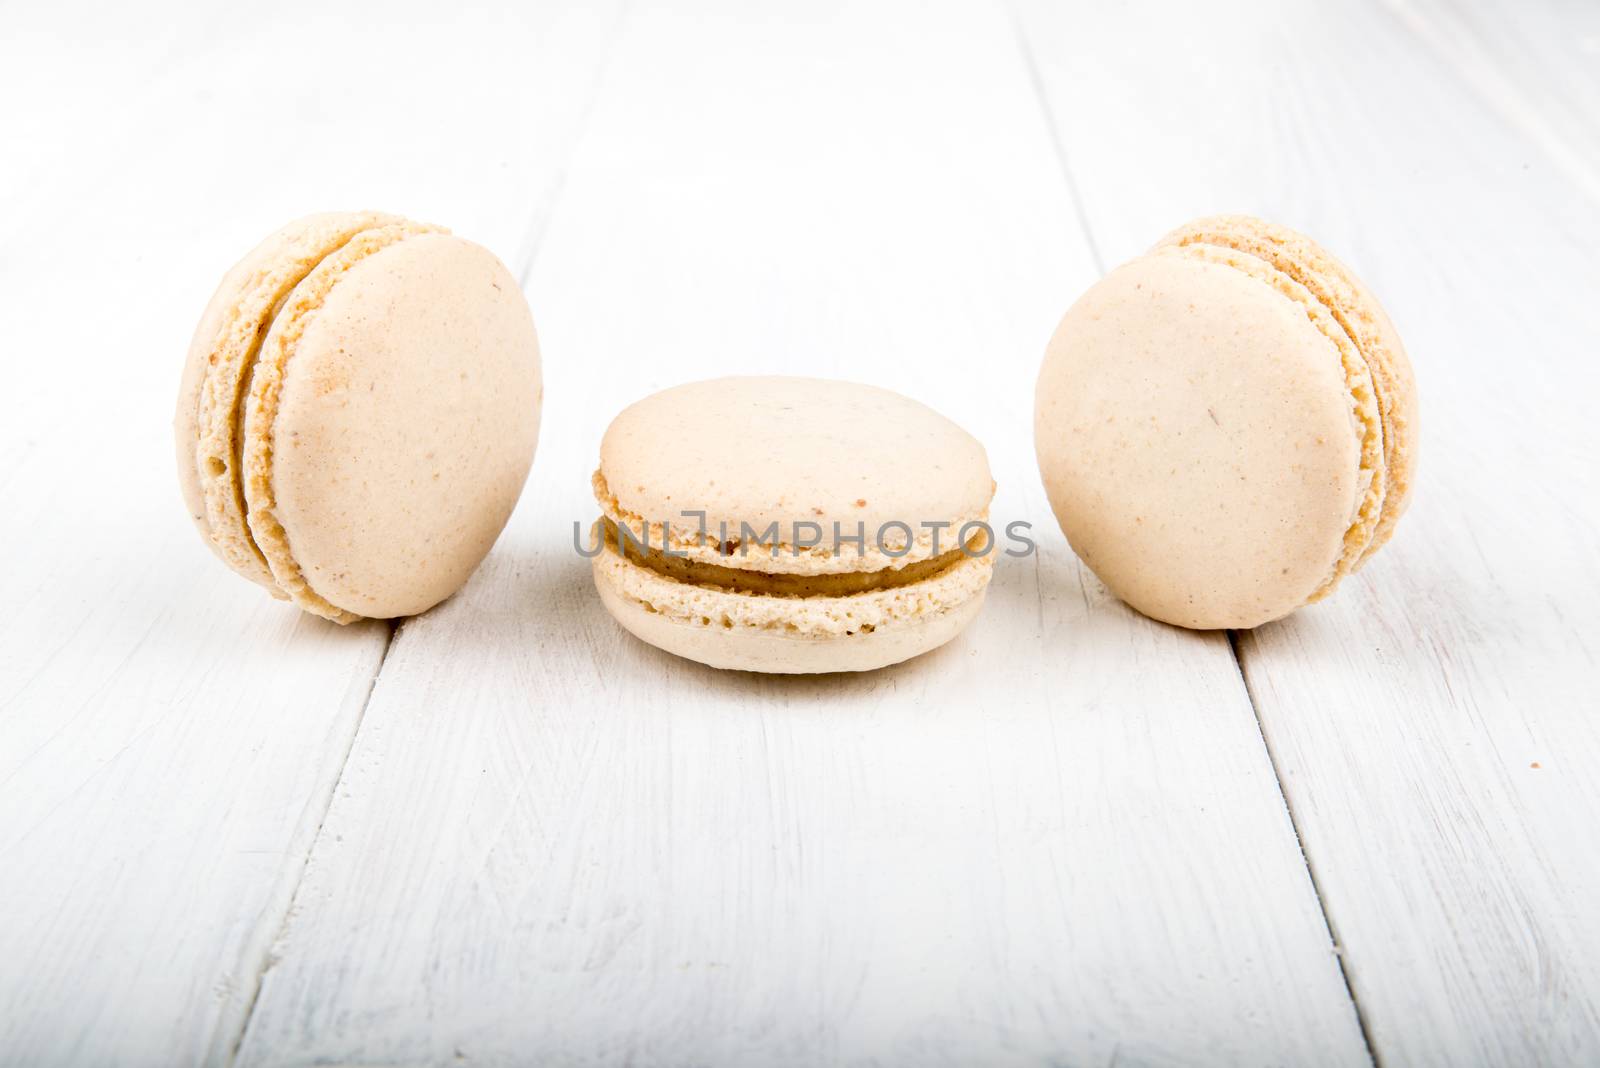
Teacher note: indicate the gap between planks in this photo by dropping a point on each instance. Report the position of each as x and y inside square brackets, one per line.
[1053, 131]
[279, 923]
[1080, 211]
[1305, 858]
[540, 215]
[527, 256]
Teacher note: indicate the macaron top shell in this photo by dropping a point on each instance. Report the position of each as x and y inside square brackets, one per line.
[216, 376]
[1363, 321]
[1199, 443]
[1303, 461]
[1359, 389]
[383, 464]
[786, 451]
[358, 412]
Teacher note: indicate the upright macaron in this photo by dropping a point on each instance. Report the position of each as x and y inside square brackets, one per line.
[791, 525]
[1226, 426]
[358, 413]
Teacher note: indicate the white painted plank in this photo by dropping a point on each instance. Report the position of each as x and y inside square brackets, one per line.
[1058, 840]
[170, 737]
[1536, 65]
[1435, 722]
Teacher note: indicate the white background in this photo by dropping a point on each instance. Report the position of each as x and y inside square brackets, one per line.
[507, 833]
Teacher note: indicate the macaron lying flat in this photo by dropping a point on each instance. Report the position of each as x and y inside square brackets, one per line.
[791, 525]
[1226, 426]
[358, 413]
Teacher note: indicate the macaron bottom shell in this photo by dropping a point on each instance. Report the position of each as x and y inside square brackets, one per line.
[718, 642]
[736, 629]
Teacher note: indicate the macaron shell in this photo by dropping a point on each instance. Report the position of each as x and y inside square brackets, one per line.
[1359, 388]
[387, 451]
[1358, 311]
[764, 450]
[1190, 419]
[732, 646]
[216, 375]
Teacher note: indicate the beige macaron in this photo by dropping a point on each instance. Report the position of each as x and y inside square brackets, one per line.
[358, 413]
[791, 525]
[1226, 426]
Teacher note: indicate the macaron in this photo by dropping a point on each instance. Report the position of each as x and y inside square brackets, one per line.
[791, 525]
[1226, 426]
[358, 413]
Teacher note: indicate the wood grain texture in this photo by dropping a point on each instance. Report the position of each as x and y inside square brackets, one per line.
[1534, 66]
[1057, 840]
[169, 737]
[1434, 723]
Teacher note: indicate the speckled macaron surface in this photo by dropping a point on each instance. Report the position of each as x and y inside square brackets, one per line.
[358, 413]
[1226, 426]
[791, 524]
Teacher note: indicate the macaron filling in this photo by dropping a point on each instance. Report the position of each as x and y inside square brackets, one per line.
[891, 549]
[781, 584]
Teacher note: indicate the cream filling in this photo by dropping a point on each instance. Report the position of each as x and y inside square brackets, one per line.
[740, 580]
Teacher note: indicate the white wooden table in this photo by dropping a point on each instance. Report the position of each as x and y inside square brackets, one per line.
[506, 833]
